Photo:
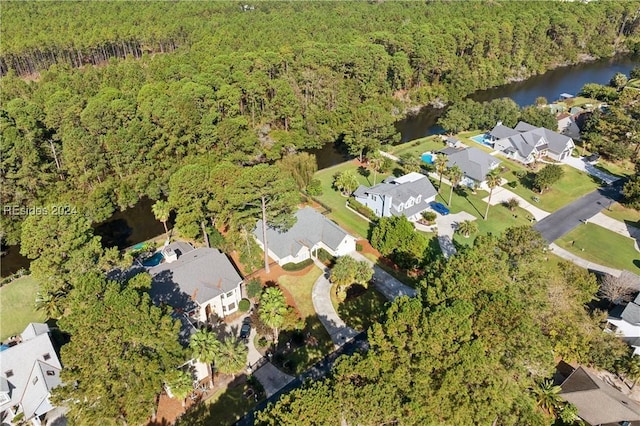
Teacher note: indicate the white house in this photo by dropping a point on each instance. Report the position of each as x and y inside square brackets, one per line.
[407, 195]
[526, 143]
[311, 231]
[198, 282]
[29, 370]
[474, 163]
[625, 321]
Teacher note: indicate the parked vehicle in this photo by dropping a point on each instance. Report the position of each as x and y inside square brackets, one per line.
[245, 330]
[439, 208]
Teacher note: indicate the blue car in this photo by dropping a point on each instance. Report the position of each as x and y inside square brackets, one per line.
[439, 208]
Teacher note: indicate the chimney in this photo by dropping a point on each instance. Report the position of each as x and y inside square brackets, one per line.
[499, 123]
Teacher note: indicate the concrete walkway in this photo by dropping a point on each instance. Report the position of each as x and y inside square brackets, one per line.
[271, 378]
[616, 226]
[446, 227]
[385, 283]
[321, 296]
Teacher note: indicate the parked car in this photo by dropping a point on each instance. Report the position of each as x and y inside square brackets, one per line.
[439, 208]
[245, 330]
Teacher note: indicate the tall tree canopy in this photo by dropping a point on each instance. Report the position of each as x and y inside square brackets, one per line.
[121, 352]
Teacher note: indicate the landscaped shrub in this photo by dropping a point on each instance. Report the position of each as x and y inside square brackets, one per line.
[428, 216]
[362, 209]
[324, 256]
[254, 287]
[244, 305]
[297, 266]
[263, 342]
[513, 184]
[314, 188]
[520, 174]
[358, 247]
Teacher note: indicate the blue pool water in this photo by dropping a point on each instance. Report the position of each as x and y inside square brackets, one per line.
[483, 140]
[153, 260]
[427, 158]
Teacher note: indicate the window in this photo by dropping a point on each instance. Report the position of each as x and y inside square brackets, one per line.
[230, 294]
[46, 357]
[231, 307]
[51, 373]
[35, 380]
[418, 199]
[400, 207]
[8, 373]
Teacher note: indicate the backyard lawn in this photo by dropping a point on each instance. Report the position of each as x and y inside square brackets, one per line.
[599, 245]
[17, 302]
[224, 408]
[332, 198]
[573, 185]
[417, 147]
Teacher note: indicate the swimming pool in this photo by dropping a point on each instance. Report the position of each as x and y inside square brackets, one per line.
[483, 139]
[427, 157]
[154, 260]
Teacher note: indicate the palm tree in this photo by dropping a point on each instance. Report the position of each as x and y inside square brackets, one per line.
[50, 304]
[410, 163]
[346, 182]
[493, 180]
[273, 308]
[441, 166]
[180, 383]
[455, 175]
[232, 357]
[375, 163]
[205, 347]
[161, 210]
[467, 228]
[548, 397]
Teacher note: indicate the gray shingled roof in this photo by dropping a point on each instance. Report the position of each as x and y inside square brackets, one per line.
[402, 188]
[199, 275]
[310, 228]
[474, 162]
[596, 401]
[631, 313]
[26, 361]
[524, 127]
[502, 132]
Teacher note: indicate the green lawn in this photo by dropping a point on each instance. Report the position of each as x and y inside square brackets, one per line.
[17, 306]
[332, 198]
[360, 311]
[417, 147]
[573, 185]
[224, 408]
[300, 288]
[300, 358]
[623, 214]
[602, 246]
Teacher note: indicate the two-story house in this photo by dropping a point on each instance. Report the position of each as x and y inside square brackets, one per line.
[526, 143]
[407, 195]
[625, 321]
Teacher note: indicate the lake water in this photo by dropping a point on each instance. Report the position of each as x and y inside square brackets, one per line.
[138, 223]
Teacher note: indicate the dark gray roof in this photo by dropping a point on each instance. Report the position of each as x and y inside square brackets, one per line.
[597, 402]
[631, 313]
[474, 162]
[448, 151]
[310, 228]
[502, 132]
[198, 275]
[524, 127]
[402, 188]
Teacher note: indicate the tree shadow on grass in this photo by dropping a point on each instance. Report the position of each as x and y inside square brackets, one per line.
[364, 172]
[232, 405]
[464, 193]
[362, 307]
[300, 348]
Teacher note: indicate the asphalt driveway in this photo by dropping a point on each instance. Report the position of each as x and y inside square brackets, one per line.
[579, 212]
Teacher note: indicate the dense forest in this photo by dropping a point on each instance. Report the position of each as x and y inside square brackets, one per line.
[182, 79]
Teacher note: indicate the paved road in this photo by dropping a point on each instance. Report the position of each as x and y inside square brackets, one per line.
[321, 297]
[564, 220]
[317, 371]
[271, 378]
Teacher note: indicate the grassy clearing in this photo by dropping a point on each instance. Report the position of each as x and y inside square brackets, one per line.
[17, 306]
[417, 147]
[573, 185]
[362, 308]
[623, 214]
[596, 244]
[300, 288]
[298, 359]
[225, 407]
[332, 198]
